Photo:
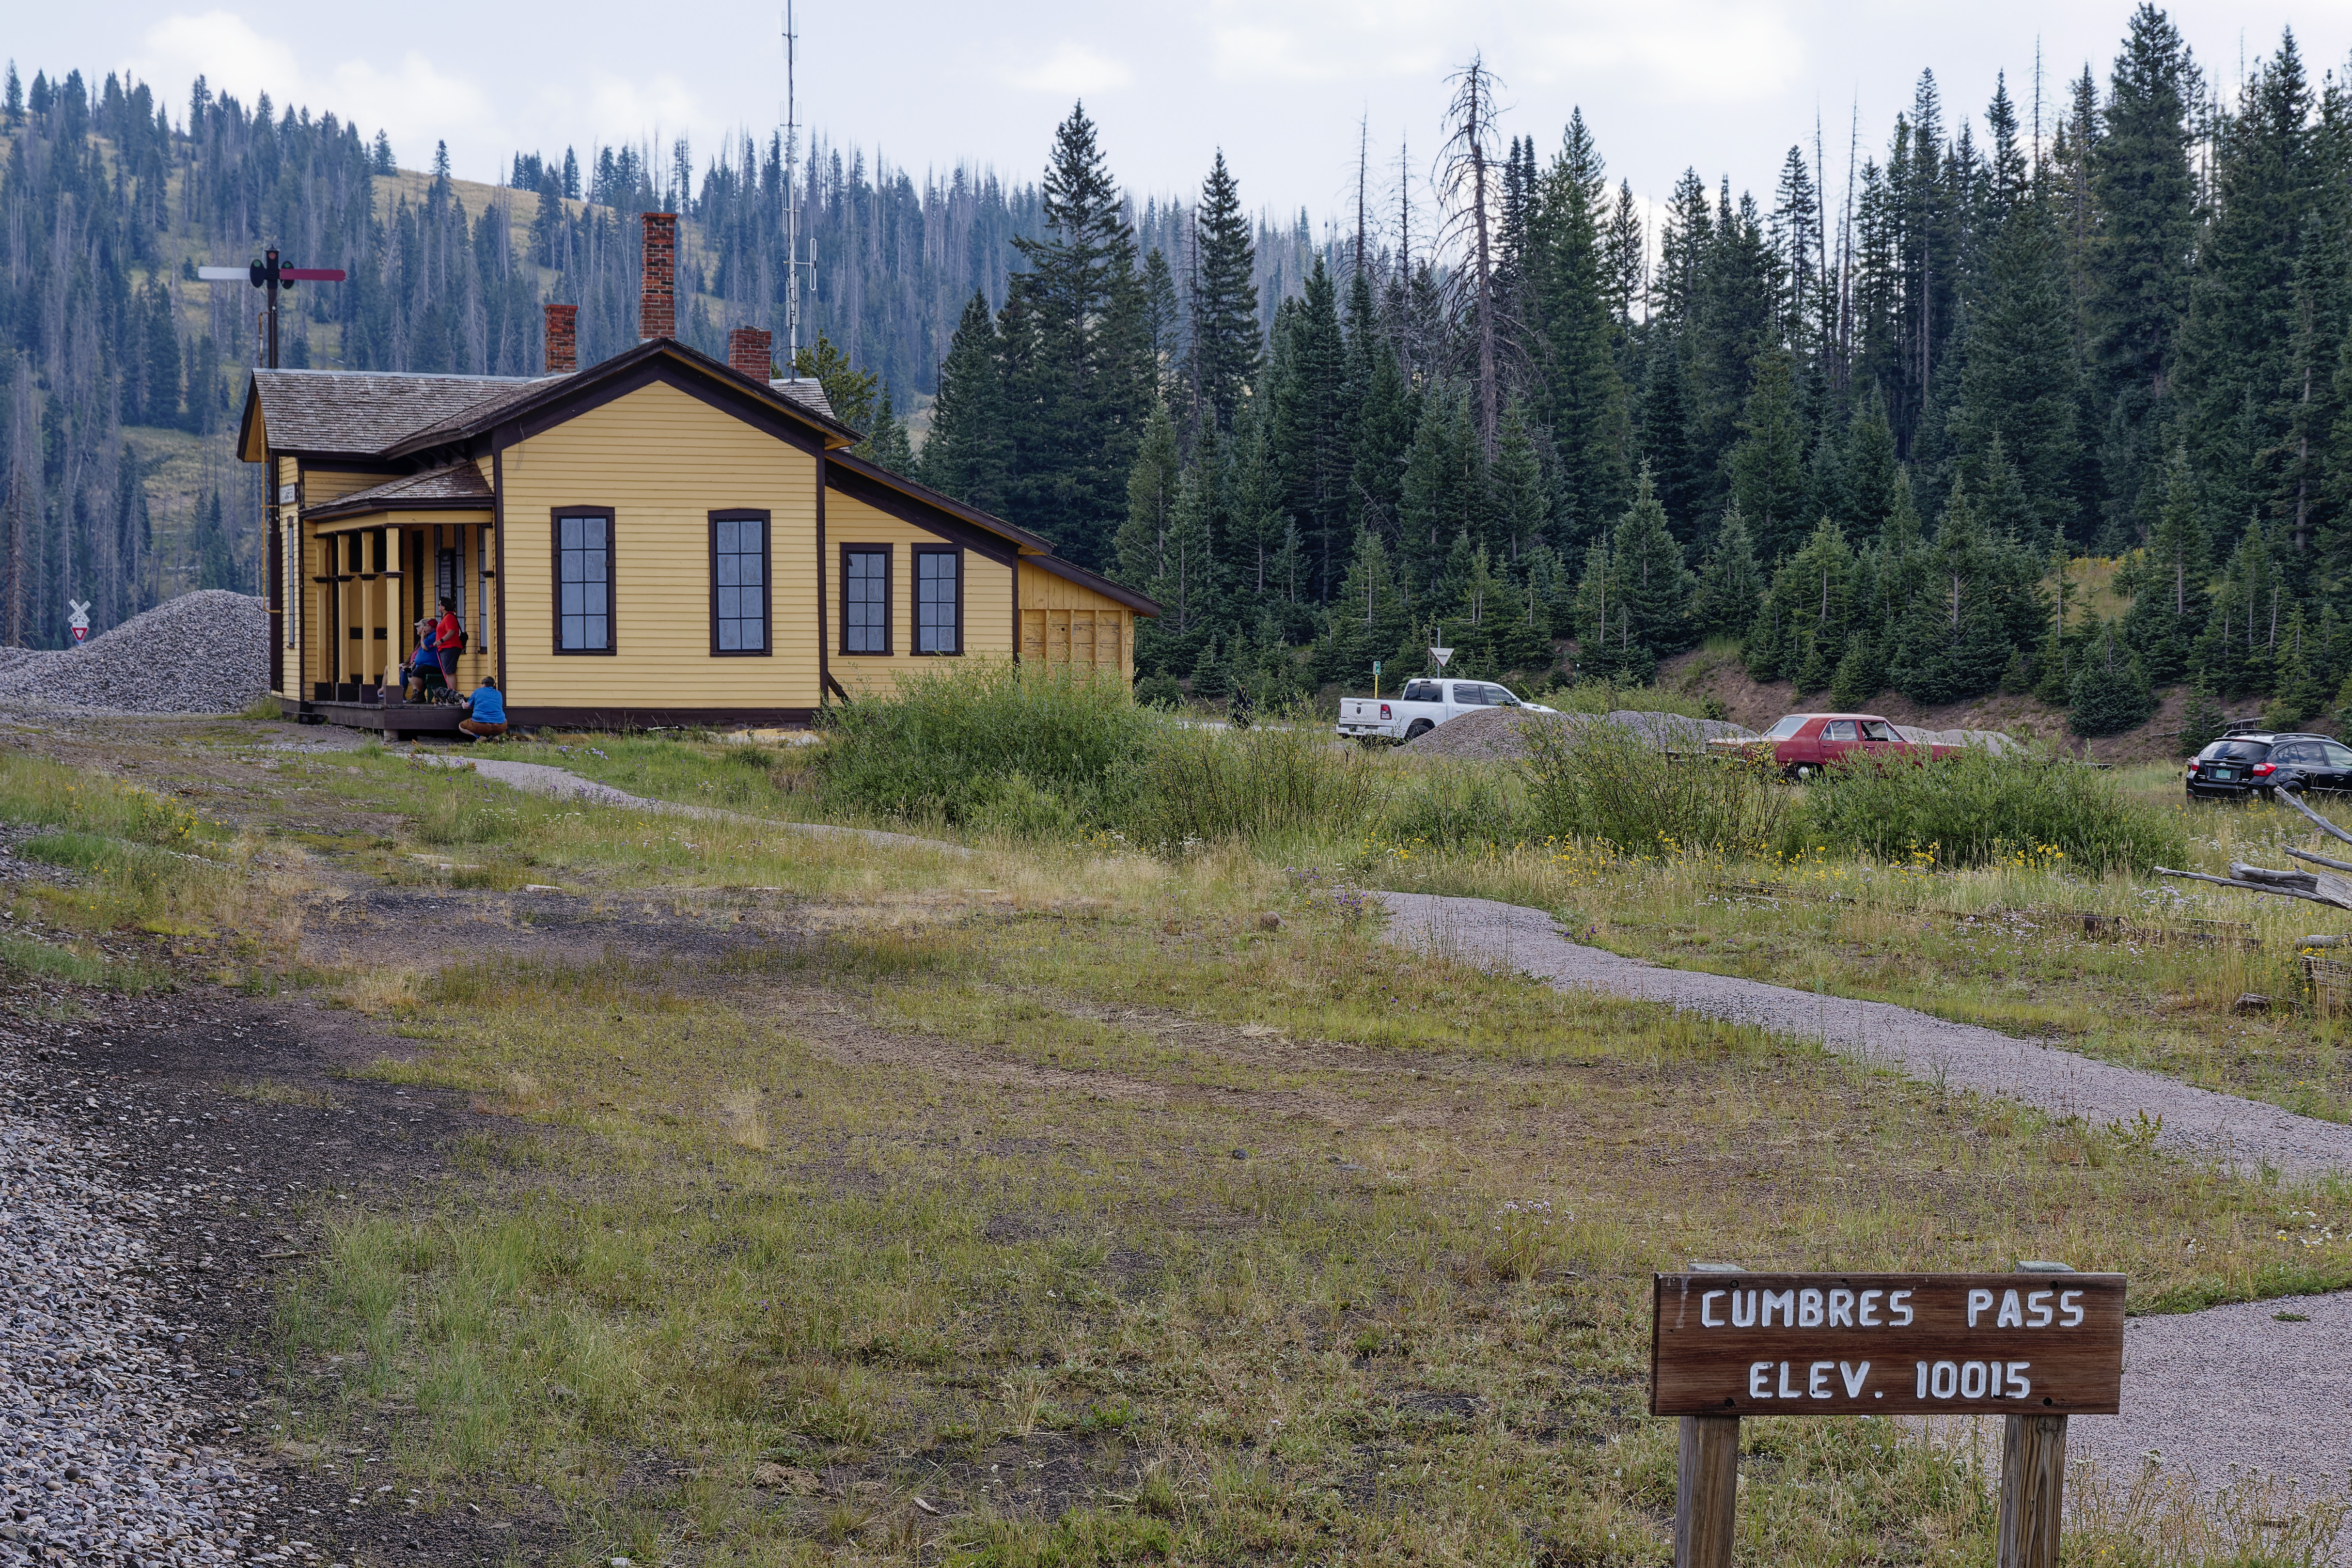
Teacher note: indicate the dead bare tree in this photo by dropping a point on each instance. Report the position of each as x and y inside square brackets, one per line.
[1463, 184]
[2317, 886]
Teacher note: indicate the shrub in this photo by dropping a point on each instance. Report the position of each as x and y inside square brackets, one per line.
[1601, 780]
[1202, 785]
[948, 743]
[1974, 807]
[1457, 804]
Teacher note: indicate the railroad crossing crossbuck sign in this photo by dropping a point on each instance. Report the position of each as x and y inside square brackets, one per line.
[2036, 1346]
[78, 619]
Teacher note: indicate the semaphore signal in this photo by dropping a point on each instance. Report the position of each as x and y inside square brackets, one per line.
[268, 272]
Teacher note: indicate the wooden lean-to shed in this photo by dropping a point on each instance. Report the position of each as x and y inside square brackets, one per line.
[658, 540]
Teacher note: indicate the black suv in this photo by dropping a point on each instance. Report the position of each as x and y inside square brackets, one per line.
[2240, 765]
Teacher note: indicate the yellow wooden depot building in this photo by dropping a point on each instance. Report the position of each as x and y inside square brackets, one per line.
[661, 538]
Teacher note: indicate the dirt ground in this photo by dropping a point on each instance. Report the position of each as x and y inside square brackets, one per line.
[1756, 703]
[257, 1111]
[171, 1082]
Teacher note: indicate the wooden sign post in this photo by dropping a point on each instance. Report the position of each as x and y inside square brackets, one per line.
[2035, 1346]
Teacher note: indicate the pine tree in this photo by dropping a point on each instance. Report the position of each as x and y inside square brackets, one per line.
[1861, 674]
[2168, 608]
[1731, 584]
[1381, 415]
[2111, 694]
[1800, 632]
[1582, 399]
[963, 456]
[2203, 721]
[2235, 652]
[1870, 471]
[1954, 639]
[1371, 615]
[2237, 339]
[1078, 368]
[1442, 492]
[1522, 502]
[2016, 386]
[1640, 606]
[2139, 255]
[1226, 341]
[1307, 387]
[1665, 443]
[888, 443]
[1163, 325]
[1152, 488]
[215, 566]
[851, 392]
[1767, 466]
[1186, 586]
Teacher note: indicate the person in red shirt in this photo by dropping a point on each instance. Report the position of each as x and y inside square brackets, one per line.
[447, 636]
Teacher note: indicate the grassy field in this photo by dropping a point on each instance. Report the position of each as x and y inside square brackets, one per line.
[1048, 1203]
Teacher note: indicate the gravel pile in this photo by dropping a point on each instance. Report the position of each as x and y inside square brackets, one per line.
[206, 652]
[1992, 741]
[1493, 733]
[98, 1457]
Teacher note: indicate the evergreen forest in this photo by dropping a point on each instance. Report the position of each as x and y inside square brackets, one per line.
[2050, 396]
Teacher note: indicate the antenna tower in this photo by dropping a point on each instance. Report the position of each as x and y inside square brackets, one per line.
[792, 200]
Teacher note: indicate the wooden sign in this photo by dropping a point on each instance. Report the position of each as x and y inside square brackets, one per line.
[1887, 1344]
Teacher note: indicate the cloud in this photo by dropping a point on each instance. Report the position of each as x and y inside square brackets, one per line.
[417, 100]
[1675, 50]
[1073, 68]
[1696, 51]
[223, 49]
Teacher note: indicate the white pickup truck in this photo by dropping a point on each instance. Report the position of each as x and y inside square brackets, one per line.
[1422, 707]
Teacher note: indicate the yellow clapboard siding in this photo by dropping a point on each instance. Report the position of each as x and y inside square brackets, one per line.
[1064, 622]
[987, 597]
[663, 462]
[321, 485]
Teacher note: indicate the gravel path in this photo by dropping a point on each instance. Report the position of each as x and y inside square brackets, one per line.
[2203, 1391]
[2232, 1386]
[2245, 1133]
[541, 778]
[98, 1460]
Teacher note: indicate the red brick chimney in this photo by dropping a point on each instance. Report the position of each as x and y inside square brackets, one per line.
[751, 352]
[658, 305]
[563, 339]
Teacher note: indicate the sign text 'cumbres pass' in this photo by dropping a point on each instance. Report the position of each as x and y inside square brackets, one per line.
[1887, 1344]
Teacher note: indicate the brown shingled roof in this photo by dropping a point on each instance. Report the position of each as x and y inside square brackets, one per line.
[459, 484]
[365, 414]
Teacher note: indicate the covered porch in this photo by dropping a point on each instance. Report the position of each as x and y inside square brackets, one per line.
[376, 562]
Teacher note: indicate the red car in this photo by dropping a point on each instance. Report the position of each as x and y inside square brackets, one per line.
[1803, 743]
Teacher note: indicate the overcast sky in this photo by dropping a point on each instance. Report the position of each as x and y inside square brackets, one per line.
[1281, 85]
